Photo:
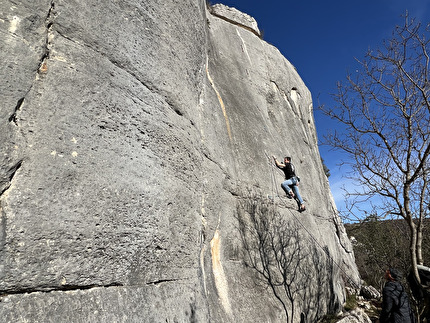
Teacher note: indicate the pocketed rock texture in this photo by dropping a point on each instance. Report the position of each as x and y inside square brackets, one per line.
[129, 133]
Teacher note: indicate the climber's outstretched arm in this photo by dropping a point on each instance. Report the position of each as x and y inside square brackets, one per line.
[277, 163]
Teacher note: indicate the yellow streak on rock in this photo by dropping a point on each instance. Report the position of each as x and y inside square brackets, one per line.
[221, 102]
[218, 271]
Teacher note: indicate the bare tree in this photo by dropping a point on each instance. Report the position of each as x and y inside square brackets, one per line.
[293, 270]
[385, 112]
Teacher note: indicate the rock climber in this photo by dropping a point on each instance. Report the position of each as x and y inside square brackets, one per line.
[291, 183]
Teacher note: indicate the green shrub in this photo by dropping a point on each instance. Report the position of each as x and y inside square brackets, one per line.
[351, 303]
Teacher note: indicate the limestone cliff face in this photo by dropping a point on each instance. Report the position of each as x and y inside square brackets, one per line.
[130, 131]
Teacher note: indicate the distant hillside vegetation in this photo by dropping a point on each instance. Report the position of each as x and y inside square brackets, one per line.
[380, 244]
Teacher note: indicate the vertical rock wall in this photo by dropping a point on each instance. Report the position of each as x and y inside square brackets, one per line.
[129, 132]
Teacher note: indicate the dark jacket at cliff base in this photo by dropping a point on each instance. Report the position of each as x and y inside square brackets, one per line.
[395, 304]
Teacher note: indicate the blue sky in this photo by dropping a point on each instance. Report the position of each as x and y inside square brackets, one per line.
[322, 39]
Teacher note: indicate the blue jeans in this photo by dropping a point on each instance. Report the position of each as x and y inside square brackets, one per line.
[291, 184]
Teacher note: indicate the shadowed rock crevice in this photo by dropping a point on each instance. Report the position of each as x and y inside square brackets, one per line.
[11, 174]
[49, 289]
[49, 21]
[13, 117]
[164, 281]
[42, 66]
